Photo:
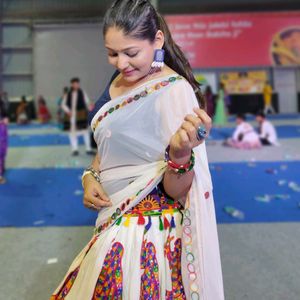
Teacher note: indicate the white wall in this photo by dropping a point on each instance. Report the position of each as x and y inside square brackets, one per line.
[65, 51]
[286, 86]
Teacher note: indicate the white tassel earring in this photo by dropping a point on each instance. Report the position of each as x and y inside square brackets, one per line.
[158, 61]
[159, 57]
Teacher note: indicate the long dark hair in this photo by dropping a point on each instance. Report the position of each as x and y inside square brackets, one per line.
[139, 19]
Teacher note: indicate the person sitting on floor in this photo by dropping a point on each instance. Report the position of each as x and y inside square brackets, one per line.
[43, 112]
[244, 136]
[267, 131]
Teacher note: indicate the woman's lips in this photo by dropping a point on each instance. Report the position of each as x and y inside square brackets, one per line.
[128, 73]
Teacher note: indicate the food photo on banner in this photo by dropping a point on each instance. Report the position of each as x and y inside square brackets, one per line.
[286, 47]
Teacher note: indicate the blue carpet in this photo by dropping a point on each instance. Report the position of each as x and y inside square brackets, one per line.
[53, 197]
[237, 184]
[32, 126]
[47, 197]
[39, 140]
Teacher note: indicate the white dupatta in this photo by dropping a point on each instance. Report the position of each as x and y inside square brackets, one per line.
[132, 132]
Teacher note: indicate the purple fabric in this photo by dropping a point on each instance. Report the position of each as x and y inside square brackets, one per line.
[3, 146]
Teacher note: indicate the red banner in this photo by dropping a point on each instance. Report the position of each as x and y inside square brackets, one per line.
[235, 40]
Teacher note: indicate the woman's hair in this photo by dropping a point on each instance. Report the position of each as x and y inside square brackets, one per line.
[140, 20]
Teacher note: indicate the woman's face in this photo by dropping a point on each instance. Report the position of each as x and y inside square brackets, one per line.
[132, 57]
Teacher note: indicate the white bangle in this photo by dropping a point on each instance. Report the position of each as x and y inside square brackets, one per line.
[91, 171]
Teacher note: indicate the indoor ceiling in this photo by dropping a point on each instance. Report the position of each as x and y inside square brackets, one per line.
[70, 9]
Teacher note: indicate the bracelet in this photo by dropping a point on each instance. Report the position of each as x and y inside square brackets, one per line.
[180, 169]
[91, 171]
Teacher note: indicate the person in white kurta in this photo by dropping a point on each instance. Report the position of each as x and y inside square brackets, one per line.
[244, 136]
[267, 131]
[71, 110]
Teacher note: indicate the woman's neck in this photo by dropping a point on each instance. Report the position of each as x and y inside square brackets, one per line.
[120, 86]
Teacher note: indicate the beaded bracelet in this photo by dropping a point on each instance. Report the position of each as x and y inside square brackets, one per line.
[91, 171]
[180, 169]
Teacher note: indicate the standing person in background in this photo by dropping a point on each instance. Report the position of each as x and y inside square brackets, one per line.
[60, 112]
[75, 104]
[44, 115]
[209, 97]
[22, 116]
[267, 93]
[3, 139]
[220, 118]
[227, 101]
[5, 100]
[267, 131]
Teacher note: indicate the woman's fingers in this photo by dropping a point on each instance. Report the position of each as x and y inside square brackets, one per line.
[98, 192]
[95, 202]
[95, 198]
[194, 120]
[190, 130]
[92, 206]
[204, 117]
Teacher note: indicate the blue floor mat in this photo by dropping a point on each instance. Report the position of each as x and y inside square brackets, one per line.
[48, 197]
[39, 140]
[53, 197]
[32, 126]
[238, 184]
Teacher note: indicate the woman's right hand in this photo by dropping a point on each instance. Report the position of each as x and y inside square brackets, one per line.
[94, 196]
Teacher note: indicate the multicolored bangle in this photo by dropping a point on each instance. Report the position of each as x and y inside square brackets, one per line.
[180, 169]
[91, 171]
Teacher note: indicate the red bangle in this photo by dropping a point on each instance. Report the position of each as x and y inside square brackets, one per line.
[177, 167]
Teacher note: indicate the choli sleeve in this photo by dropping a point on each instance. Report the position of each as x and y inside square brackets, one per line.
[105, 97]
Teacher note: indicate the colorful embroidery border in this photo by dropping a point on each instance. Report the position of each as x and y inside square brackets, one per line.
[136, 97]
[190, 257]
[121, 209]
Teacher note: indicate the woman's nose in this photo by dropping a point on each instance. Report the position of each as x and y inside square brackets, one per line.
[122, 62]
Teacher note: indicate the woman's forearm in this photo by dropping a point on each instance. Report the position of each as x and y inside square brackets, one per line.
[95, 165]
[96, 162]
[175, 185]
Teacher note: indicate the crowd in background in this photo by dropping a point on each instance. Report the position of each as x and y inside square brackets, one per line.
[72, 115]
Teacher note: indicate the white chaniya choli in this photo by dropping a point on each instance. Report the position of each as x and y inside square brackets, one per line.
[132, 132]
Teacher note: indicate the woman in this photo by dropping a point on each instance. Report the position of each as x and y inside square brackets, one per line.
[3, 139]
[155, 235]
[220, 118]
[44, 115]
[209, 97]
[244, 136]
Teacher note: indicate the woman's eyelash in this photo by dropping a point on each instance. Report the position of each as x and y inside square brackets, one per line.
[132, 54]
[128, 54]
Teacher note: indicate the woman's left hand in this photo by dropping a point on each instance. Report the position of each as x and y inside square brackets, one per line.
[185, 138]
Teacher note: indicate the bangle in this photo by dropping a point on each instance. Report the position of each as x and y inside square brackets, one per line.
[180, 169]
[91, 171]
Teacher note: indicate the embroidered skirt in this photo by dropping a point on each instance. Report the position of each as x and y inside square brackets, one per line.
[139, 257]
